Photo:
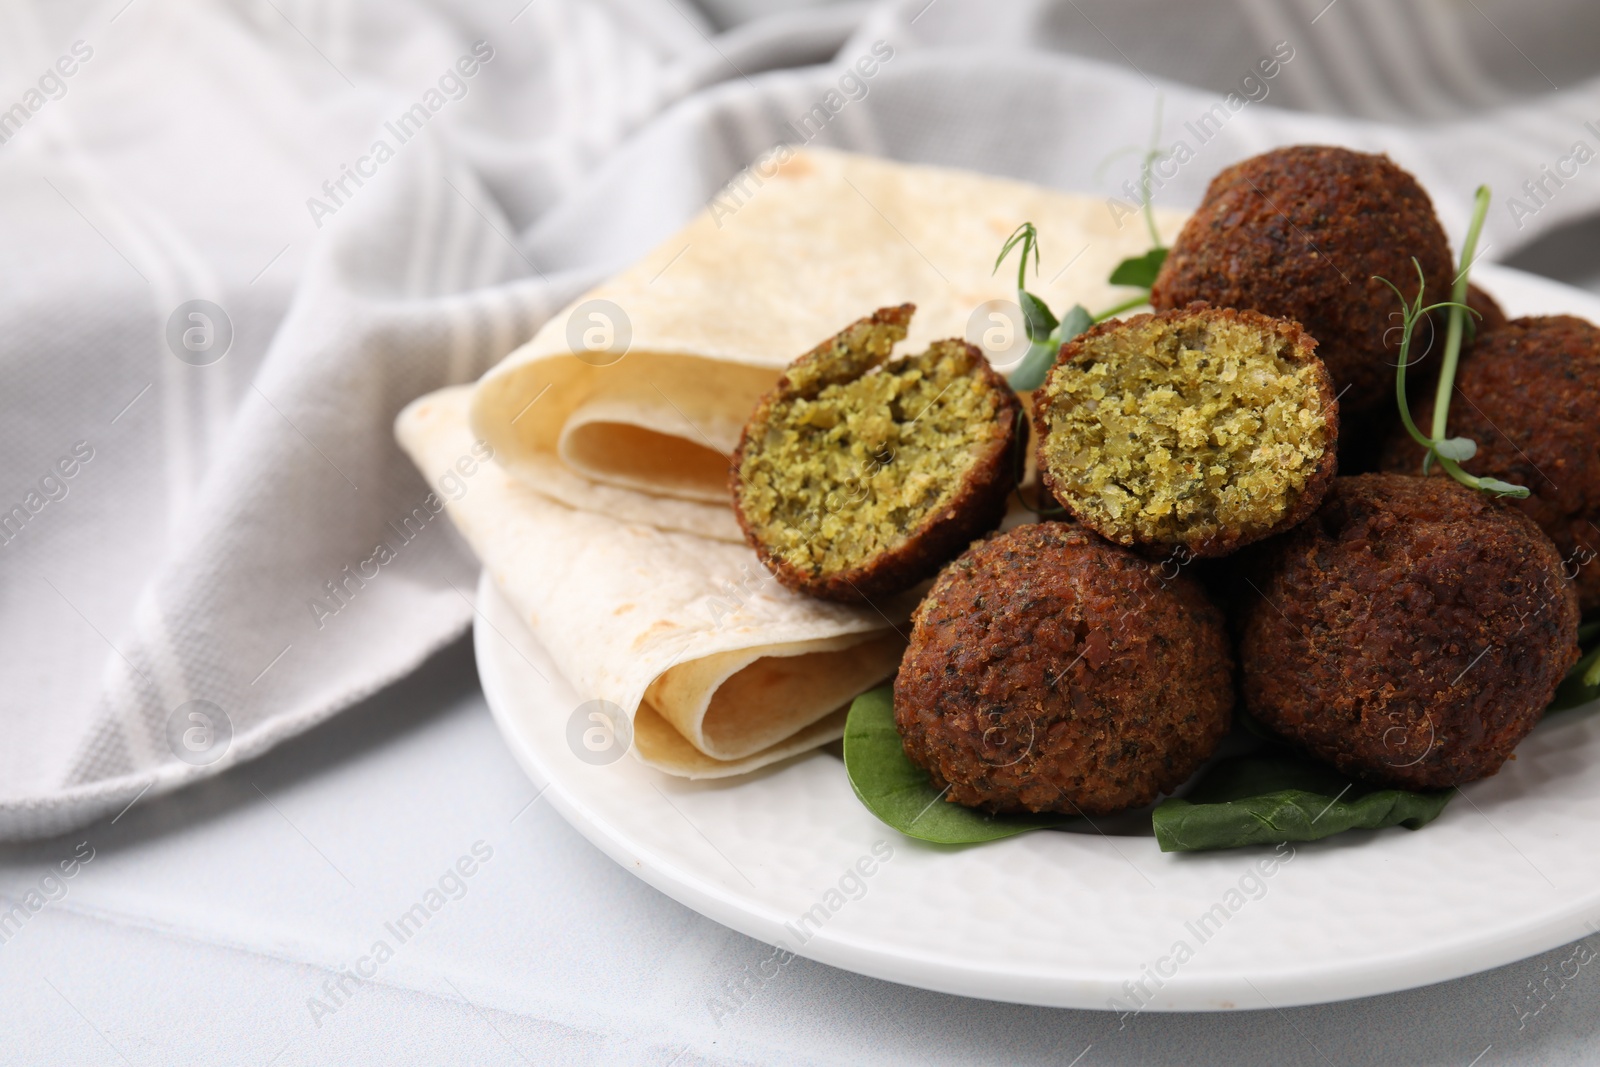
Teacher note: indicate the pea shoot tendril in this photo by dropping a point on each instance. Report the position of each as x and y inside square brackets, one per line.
[1046, 333]
[1448, 452]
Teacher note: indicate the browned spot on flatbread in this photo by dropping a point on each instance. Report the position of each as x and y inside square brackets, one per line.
[798, 166]
[656, 629]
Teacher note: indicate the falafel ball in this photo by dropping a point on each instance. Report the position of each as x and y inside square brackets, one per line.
[858, 477]
[1299, 233]
[1051, 671]
[1526, 396]
[1410, 633]
[1205, 428]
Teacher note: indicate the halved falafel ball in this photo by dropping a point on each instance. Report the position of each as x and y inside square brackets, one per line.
[1051, 671]
[1410, 633]
[1527, 397]
[858, 477]
[1299, 233]
[1206, 428]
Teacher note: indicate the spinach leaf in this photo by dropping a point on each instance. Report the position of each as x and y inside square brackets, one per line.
[898, 791]
[1140, 270]
[1275, 795]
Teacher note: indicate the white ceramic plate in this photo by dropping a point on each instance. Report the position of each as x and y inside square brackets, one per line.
[1511, 869]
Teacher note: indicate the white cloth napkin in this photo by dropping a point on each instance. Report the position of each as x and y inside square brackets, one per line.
[211, 541]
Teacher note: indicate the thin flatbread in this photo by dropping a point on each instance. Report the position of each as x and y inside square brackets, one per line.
[721, 668]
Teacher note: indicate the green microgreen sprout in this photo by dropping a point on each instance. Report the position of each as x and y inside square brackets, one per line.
[1026, 235]
[1140, 271]
[1448, 452]
[1046, 333]
[1147, 197]
[1152, 151]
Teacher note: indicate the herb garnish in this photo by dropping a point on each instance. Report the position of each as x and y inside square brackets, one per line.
[1450, 452]
[1141, 271]
[1046, 333]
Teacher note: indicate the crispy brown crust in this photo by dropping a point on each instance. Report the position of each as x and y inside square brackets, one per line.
[1299, 233]
[1527, 397]
[1304, 346]
[1411, 633]
[976, 508]
[1051, 671]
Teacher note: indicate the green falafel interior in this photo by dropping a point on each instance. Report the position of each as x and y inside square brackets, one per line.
[867, 472]
[1201, 427]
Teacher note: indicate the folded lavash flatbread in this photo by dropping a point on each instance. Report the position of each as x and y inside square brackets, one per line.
[673, 353]
[605, 518]
[722, 669]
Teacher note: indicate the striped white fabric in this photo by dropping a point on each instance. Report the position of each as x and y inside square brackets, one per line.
[240, 539]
